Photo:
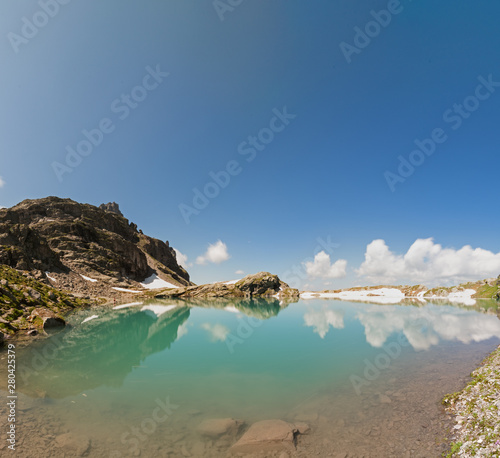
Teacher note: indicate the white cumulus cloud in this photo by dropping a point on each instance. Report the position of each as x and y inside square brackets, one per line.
[182, 259]
[2, 183]
[239, 272]
[427, 262]
[322, 267]
[216, 253]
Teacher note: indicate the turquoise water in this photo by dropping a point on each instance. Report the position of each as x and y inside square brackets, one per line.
[326, 361]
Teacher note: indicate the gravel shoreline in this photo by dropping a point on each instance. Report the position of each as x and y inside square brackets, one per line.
[477, 412]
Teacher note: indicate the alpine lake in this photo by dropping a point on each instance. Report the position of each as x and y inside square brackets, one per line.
[139, 379]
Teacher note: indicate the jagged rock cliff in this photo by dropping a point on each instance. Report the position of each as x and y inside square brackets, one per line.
[69, 239]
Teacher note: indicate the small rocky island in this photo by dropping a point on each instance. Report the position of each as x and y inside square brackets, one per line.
[262, 284]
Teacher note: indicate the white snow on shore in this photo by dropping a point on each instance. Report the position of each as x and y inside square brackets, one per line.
[124, 306]
[88, 278]
[155, 282]
[125, 290]
[49, 277]
[158, 310]
[90, 318]
[463, 297]
[378, 296]
[391, 296]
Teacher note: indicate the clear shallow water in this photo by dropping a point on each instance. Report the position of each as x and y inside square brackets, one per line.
[365, 377]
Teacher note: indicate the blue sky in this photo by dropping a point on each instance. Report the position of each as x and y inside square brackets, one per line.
[322, 174]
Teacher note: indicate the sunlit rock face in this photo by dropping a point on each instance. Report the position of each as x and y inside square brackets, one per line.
[75, 244]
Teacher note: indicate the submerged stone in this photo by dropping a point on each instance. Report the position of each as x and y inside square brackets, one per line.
[216, 427]
[73, 444]
[267, 436]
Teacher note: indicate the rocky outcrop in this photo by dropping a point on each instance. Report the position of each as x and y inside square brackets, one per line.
[62, 236]
[26, 303]
[46, 318]
[111, 207]
[262, 284]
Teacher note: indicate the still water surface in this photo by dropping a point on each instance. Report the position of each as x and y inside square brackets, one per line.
[138, 380]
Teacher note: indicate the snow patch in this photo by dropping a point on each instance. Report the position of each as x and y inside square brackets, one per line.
[88, 278]
[90, 318]
[231, 282]
[155, 282]
[49, 277]
[378, 296]
[463, 297]
[125, 290]
[391, 296]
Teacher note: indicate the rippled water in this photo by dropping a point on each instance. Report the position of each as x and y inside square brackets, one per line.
[138, 380]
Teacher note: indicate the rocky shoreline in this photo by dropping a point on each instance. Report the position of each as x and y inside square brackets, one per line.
[477, 412]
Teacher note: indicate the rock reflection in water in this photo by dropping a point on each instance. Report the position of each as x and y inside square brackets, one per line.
[100, 352]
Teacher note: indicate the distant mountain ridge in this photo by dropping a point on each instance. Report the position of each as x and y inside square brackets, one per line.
[75, 244]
